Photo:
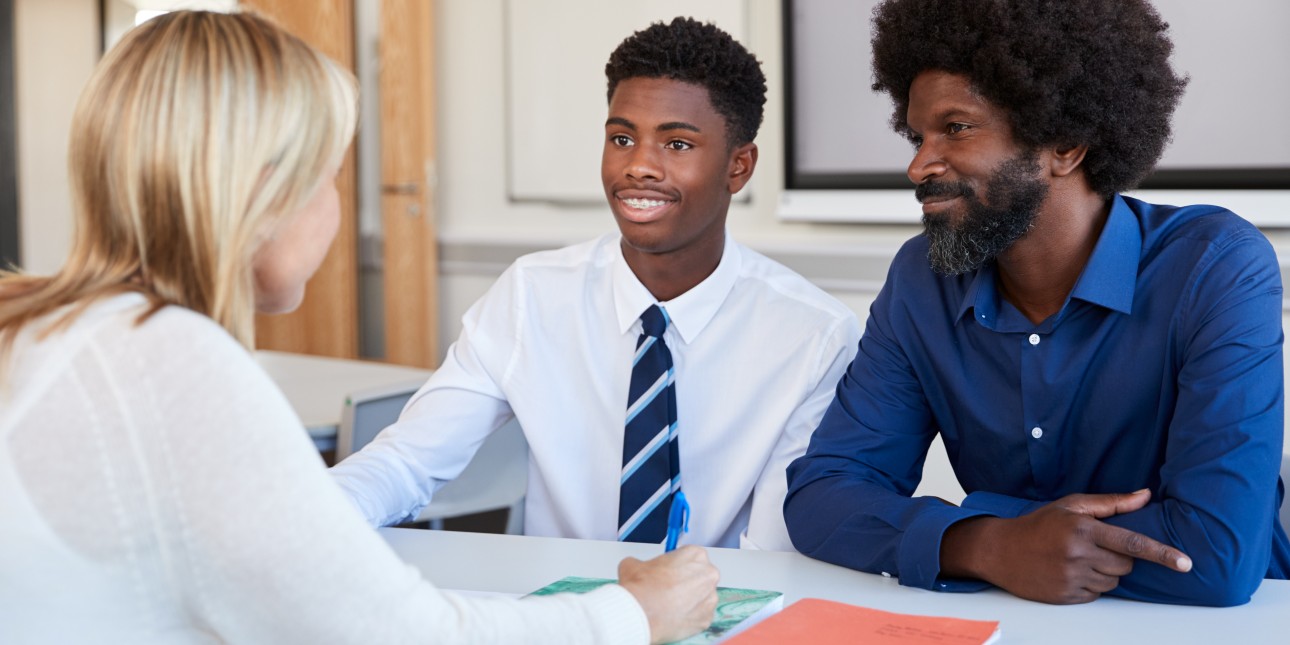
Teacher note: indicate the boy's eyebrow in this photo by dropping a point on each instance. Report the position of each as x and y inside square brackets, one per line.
[663, 127]
[678, 125]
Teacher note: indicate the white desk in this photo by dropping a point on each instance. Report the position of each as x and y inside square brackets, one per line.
[519, 564]
[317, 386]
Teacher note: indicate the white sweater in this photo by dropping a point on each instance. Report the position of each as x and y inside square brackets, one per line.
[156, 487]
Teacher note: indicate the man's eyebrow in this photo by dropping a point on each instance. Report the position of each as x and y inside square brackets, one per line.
[678, 125]
[957, 112]
[618, 120]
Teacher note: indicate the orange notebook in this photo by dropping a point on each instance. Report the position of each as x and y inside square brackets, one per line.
[824, 622]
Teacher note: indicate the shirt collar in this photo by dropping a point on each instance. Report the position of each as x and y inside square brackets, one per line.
[1111, 275]
[979, 296]
[689, 312]
[1109, 278]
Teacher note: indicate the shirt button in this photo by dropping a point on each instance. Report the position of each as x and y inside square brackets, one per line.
[886, 575]
[1034, 339]
[1036, 432]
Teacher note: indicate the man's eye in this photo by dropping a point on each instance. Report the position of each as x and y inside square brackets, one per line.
[620, 140]
[678, 145]
[955, 128]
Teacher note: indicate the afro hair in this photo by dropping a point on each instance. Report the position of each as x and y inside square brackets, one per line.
[699, 53]
[1067, 72]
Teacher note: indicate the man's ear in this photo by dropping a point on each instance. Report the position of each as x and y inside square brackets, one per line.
[1067, 158]
[743, 159]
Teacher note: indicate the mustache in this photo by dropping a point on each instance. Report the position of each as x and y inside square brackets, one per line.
[942, 189]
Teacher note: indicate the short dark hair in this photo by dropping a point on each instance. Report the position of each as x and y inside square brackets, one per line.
[700, 53]
[1068, 72]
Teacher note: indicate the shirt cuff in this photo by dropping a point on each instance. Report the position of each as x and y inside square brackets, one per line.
[616, 616]
[1000, 505]
[920, 549]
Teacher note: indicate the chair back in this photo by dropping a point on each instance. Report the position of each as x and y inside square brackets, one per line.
[495, 478]
[1285, 481]
[370, 411]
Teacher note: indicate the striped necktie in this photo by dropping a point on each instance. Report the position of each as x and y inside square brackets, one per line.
[651, 465]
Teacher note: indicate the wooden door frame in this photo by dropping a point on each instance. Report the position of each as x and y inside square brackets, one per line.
[410, 250]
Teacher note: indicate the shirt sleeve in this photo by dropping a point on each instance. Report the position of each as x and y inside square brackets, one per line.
[849, 497]
[264, 547]
[766, 528]
[1217, 497]
[391, 479]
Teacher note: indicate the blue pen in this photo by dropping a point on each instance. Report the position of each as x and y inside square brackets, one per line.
[678, 520]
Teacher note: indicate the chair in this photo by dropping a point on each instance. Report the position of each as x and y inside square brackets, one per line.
[1285, 503]
[496, 478]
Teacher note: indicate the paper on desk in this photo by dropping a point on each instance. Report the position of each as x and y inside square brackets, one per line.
[812, 621]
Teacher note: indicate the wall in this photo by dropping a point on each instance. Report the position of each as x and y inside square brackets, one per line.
[56, 43]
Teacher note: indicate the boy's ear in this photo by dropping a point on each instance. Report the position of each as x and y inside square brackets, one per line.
[743, 159]
[1066, 158]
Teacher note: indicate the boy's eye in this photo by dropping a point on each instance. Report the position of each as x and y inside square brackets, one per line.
[620, 140]
[678, 145]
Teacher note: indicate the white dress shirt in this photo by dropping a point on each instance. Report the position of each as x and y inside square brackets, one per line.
[757, 350]
[156, 487]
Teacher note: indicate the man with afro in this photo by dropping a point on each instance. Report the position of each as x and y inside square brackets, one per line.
[662, 359]
[1105, 374]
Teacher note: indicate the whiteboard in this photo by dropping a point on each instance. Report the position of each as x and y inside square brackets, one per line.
[1227, 129]
[555, 85]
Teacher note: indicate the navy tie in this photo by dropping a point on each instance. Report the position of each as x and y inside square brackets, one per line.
[651, 465]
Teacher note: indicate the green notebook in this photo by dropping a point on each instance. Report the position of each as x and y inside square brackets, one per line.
[737, 609]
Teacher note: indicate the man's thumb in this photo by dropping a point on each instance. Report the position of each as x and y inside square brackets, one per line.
[1108, 504]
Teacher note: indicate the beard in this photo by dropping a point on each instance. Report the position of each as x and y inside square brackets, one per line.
[983, 231]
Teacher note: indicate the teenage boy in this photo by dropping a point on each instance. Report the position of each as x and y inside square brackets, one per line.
[1105, 373]
[664, 358]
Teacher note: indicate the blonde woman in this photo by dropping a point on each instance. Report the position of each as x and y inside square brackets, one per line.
[154, 484]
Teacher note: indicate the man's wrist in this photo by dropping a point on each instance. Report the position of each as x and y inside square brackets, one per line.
[965, 547]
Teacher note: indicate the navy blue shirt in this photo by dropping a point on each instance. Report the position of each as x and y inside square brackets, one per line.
[1162, 370]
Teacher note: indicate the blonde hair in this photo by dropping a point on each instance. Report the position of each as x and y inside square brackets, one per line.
[195, 137]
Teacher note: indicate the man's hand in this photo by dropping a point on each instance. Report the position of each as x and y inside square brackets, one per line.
[1059, 554]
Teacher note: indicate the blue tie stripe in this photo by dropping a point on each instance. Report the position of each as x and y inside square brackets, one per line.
[650, 507]
[644, 347]
[650, 474]
[664, 380]
[648, 451]
[646, 476]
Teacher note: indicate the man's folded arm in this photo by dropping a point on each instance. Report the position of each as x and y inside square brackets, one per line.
[838, 517]
[849, 496]
[1218, 487]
